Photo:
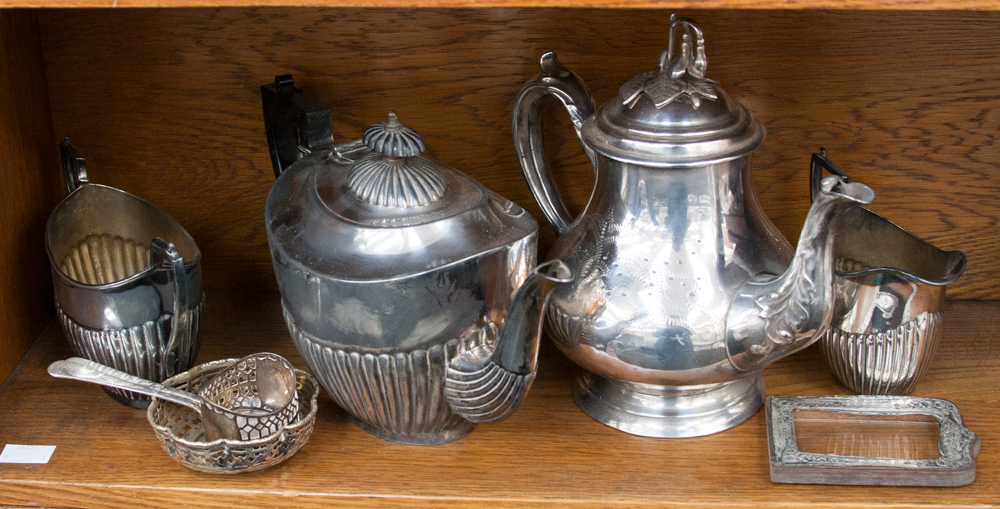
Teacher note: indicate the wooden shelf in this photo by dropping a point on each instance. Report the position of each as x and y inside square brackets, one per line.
[909, 5]
[548, 454]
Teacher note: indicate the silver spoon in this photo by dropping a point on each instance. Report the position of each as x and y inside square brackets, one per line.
[254, 397]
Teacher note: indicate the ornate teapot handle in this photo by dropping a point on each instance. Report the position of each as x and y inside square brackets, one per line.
[568, 88]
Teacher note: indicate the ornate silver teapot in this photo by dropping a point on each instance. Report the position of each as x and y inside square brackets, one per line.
[684, 289]
[409, 288]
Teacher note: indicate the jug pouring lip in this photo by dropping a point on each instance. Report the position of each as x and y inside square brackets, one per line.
[56, 222]
[881, 246]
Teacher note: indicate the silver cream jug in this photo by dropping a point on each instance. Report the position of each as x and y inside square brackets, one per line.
[684, 288]
[127, 280]
[888, 289]
[409, 288]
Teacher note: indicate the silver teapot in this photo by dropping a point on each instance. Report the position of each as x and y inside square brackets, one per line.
[684, 289]
[409, 288]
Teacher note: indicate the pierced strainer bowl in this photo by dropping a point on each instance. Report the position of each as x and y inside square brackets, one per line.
[182, 434]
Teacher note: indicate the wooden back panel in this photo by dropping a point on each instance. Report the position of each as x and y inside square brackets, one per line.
[165, 104]
[27, 193]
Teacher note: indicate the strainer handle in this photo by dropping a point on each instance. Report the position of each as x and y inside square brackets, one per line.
[165, 255]
[76, 368]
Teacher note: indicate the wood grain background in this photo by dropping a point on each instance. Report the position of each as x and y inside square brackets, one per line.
[27, 195]
[165, 104]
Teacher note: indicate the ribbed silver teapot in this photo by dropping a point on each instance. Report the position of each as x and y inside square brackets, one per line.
[684, 289]
[409, 288]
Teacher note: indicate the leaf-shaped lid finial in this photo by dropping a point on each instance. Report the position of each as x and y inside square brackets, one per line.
[681, 75]
[674, 116]
[393, 139]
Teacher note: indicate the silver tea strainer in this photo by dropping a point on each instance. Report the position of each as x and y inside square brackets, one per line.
[181, 431]
[251, 399]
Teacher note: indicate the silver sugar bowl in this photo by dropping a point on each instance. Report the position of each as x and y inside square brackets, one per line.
[409, 288]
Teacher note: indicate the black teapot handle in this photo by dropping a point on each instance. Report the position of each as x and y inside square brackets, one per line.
[820, 162]
[293, 121]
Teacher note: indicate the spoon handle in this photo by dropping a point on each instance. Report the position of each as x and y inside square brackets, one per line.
[76, 368]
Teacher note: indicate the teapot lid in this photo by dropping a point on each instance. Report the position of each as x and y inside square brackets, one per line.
[397, 178]
[674, 116]
[391, 185]
[375, 209]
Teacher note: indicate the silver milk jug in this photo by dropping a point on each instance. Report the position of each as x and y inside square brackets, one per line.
[127, 280]
[409, 288]
[684, 289]
[888, 289]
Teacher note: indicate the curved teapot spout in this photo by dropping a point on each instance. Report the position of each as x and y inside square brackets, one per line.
[773, 316]
[487, 382]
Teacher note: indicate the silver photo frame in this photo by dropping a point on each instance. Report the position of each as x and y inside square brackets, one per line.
[958, 446]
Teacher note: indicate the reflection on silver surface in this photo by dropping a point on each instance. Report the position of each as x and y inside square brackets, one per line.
[127, 280]
[684, 289]
[402, 279]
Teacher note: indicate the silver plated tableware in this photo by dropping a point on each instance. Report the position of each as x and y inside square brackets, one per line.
[252, 398]
[954, 465]
[888, 288]
[182, 434]
[127, 280]
[684, 289]
[409, 288]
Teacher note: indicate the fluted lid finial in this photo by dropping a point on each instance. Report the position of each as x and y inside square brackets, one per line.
[393, 139]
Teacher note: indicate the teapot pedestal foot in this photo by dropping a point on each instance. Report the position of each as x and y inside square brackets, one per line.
[669, 411]
[434, 438]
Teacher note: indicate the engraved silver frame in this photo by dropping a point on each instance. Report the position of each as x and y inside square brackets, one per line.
[958, 446]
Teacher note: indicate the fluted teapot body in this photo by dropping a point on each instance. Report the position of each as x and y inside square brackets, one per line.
[409, 288]
[684, 288]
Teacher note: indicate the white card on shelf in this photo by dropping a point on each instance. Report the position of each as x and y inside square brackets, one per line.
[15, 453]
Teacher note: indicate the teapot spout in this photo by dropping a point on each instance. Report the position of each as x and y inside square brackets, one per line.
[774, 316]
[486, 382]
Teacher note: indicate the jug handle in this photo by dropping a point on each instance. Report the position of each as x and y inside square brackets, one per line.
[569, 89]
[165, 255]
[295, 123]
[818, 163]
[74, 166]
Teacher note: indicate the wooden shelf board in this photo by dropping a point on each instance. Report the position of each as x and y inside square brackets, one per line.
[548, 454]
[909, 5]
